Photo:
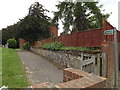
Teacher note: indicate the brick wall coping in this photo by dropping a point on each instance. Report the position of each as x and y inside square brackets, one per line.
[85, 80]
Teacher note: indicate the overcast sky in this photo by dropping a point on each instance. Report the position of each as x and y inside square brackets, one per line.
[13, 10]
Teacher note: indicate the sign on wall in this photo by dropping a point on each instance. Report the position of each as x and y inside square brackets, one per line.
[109, 32]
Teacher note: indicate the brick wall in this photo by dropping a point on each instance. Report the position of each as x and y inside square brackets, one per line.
[22, 41]
[108, 48]
[74, 78]
[89, 38]
[54, 30]
[71, 74]
[119, 55]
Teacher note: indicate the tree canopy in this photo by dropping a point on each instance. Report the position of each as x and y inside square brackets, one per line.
[79, 15]
[34, 26]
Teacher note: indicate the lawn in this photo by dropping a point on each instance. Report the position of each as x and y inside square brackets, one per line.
[0, 67]
[13, 72]
[119, 76]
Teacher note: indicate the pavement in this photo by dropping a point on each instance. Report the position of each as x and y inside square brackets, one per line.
[39, 69]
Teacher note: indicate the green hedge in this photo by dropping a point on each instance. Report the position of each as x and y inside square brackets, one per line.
[12, 43]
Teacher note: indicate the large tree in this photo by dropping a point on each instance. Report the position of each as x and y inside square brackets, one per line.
[9, 32]
[35, 26]
[79, 15]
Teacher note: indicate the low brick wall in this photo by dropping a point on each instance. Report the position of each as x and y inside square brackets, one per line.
[71, 74]
[75, 78]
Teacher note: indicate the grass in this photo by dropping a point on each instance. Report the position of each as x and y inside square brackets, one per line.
[119, 76]
[13, 72]
[0, 67]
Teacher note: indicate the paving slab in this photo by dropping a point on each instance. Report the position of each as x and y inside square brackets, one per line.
[39, 69]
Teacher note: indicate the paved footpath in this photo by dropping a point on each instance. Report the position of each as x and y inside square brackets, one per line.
[39, 69]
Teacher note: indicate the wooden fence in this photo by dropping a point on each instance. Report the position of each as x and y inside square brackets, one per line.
[91, 38]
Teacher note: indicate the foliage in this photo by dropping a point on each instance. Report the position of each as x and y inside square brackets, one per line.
[9, 32]
[79, 15]
[76, 48]
[53, 46]
[60, 46]
[26, 46]
[11, 43]
[35, 26]
[13, 72]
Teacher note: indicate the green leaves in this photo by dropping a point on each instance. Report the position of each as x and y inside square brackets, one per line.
[53, 46]
[26, 46]
[60, 46]
[35, 26]
[11, 43]
[79, 15]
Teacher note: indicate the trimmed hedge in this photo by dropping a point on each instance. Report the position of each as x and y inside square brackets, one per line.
[12, 43]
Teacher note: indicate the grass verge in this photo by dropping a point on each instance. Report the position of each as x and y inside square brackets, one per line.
[119, 76]
[13, 72]
[0, 66]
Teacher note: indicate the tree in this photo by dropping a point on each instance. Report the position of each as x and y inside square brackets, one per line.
[35, 26]
[79, 15]
[9, 32]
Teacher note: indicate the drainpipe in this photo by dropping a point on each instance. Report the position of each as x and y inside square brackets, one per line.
[116, 57]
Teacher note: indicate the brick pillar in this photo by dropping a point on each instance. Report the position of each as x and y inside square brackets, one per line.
[22, 41]
[108, 48]
[119, 55]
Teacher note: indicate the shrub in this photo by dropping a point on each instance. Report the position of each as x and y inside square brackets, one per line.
[11, 43]
[53, 46]
[26, 46]
[76, 48]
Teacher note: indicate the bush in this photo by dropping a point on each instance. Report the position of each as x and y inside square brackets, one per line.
[11, 43]
[26, 46]
[53, 46]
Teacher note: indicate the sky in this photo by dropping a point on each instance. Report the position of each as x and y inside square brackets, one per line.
[13, 10]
